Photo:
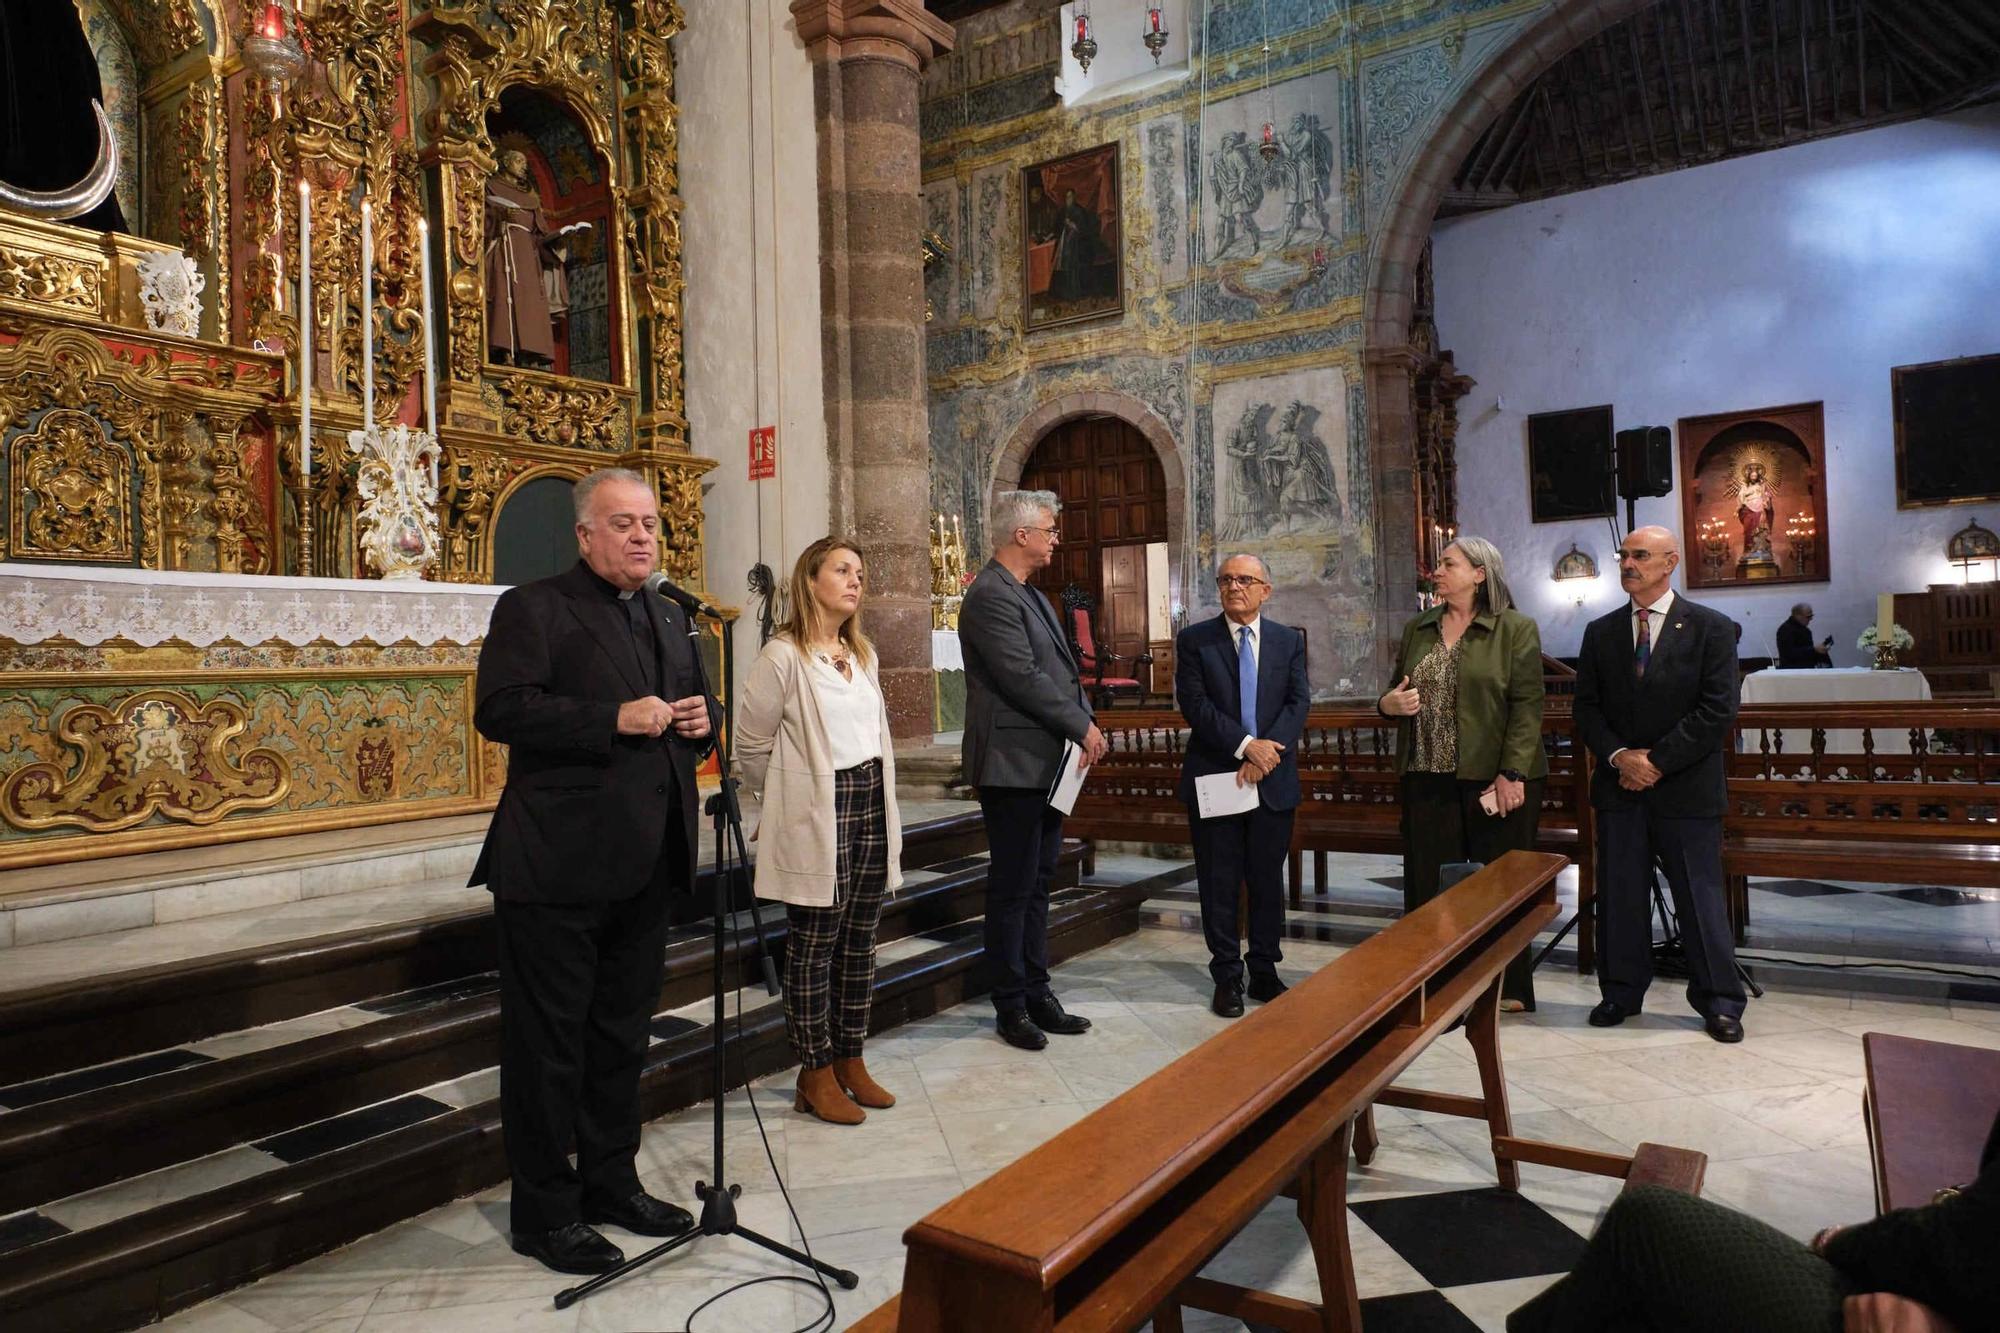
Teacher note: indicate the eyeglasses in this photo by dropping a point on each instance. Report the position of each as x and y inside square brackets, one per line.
[1238, 581]
[1054, 534]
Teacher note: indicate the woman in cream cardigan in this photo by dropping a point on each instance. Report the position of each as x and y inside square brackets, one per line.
[812, 739]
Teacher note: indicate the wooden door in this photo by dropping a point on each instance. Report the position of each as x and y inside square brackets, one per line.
[1114, 494]
[1121, 611]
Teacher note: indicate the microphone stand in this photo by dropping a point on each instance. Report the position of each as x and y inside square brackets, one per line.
[718, 1200]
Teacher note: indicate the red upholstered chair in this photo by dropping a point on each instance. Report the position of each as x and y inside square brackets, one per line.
[1108, 676]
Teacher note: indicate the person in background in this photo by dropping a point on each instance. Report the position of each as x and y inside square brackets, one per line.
[1240, 680]
[812, 739]
[1795, 644]
[1023, 699]
[1656, 694]
[1469, 691]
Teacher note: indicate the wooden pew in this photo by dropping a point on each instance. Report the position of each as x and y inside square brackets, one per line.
[1929, 816]
[1929, 1106]
[1350, 798]
[1109, 1223]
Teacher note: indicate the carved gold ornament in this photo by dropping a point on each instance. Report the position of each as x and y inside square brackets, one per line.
[55, 280]
[70, 486]
[680, 519]
[563, 412]
[158, 752]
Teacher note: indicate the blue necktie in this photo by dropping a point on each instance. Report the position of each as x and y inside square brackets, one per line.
[1246, 681]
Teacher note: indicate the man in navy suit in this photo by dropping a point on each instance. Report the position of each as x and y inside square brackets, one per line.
[1655, 698]
[1240, 680]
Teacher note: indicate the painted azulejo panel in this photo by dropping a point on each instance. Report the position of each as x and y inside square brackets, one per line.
[1284, 485]
[124, 761]
[990, 239]
[1163, 154]
[1271, 159]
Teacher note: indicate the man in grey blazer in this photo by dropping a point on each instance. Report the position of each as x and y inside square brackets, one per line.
[1023, 698]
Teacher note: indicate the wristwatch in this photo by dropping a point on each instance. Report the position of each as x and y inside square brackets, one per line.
[1511, 775]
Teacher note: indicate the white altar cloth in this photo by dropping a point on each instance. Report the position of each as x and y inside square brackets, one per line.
[1839, 685]
[946, 654]
[87, 605]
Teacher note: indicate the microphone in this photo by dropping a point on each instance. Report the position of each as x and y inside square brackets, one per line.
[657, 582]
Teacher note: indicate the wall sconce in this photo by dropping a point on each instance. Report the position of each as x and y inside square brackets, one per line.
[1573, 565]
[1973, 548]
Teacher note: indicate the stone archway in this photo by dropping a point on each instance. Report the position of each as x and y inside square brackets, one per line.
[1396, 248]
[1021, 441]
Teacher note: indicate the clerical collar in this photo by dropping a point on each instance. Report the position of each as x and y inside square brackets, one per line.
[609, 588]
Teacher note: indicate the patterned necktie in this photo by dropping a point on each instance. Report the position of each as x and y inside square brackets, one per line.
[1246, 681]
[1643, 651]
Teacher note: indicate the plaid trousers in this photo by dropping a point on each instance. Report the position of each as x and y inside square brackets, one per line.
[830, 956]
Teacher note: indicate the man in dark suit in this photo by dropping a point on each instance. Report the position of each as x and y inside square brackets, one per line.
[1023, 699]
[1655, 696]
[1240, 680]
[593, 838]
[1795, 645]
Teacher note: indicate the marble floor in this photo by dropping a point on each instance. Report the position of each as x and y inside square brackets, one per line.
[1779, 1117]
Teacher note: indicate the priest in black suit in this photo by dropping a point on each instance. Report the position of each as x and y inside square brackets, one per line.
[1655, 698]
[592, 684]
[1240, 680]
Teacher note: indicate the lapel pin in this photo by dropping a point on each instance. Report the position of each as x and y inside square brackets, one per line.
[1679, 625]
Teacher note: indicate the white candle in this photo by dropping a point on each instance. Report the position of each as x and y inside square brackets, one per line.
[367, 316]
[430, 350]
[305, 330]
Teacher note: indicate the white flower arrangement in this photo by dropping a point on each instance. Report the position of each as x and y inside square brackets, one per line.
[1899, 639]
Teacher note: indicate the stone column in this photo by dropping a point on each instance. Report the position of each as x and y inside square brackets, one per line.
[867, 57]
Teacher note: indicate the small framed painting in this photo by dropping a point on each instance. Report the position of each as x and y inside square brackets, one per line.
[1071, 239]
[1947, 449]
[1570, 468]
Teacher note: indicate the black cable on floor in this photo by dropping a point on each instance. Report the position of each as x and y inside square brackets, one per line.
[1905, 967]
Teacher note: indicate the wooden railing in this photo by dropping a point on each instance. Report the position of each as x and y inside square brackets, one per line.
[1109, 1223]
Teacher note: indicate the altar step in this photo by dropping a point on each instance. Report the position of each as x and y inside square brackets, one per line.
[42, 904]
[92, 1019]
[249, 1151]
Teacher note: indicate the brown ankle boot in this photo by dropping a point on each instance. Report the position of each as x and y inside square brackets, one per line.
[852, 1075]
[821, 1095]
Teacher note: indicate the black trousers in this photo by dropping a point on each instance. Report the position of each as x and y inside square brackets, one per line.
[1024, 838]
[1629, 840]
[1442, 823]
[578, 986]
[1235, 850]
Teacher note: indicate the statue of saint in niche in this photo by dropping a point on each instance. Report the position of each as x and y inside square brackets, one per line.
[525, 284]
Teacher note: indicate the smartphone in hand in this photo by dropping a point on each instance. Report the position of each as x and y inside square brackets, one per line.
[1489, 801]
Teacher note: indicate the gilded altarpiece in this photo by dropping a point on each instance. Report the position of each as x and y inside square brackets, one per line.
[130, 454]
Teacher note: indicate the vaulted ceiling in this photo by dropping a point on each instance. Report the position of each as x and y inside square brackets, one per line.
[1685, 82]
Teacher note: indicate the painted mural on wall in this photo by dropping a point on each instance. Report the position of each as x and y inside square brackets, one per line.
[1269, 157]
[1245, 264]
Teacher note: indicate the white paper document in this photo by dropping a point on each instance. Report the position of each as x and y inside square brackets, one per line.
[1062, 792]
[1219, 794]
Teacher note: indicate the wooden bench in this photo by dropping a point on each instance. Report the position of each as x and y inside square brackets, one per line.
[1109, 1223]
[1929, 1107]
[1928, 816]
[1350, 796]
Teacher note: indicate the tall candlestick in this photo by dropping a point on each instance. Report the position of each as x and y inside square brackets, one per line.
[305, 331]
[367, 316]
[430, 350]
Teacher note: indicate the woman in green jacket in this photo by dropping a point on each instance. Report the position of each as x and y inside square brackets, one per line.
[1469, 691]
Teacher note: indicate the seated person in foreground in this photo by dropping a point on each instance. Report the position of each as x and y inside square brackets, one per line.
[1663, 1260]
